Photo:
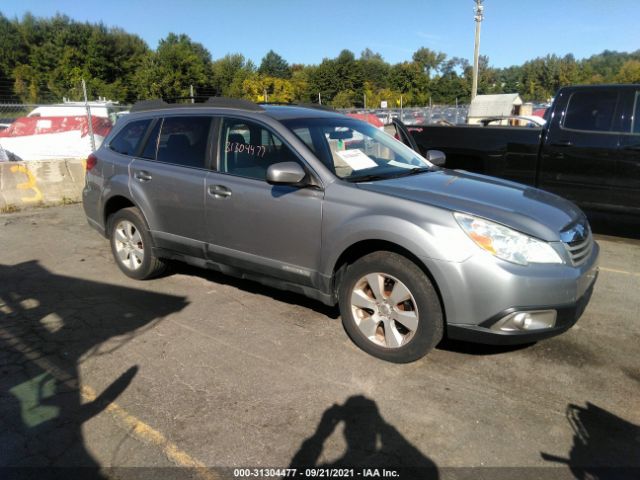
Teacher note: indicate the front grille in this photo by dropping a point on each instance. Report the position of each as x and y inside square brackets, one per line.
[579, 250]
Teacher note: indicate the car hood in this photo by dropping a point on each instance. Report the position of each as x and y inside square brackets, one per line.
[526, 209]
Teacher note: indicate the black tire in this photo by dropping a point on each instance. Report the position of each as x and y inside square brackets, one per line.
[133, 254]
[393, 268]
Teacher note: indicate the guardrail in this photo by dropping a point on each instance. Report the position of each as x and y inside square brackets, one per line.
[40, 183]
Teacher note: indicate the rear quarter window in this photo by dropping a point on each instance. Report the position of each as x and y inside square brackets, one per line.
[128, 139]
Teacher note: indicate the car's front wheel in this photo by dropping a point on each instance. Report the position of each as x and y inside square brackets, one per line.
[131, 245]
[390, 308]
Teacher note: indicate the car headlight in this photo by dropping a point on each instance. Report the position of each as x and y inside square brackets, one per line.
[505, 243]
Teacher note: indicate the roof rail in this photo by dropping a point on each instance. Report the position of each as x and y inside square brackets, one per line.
[148, 105]
[221, 102]
[315, 106]
[239, 103]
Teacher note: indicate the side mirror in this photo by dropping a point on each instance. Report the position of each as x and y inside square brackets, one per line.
[285, 173]
[436, 157]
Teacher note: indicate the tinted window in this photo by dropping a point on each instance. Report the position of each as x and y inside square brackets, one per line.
[635, 121]
[152, 142]
[128, 140]
[247, 149]
[591, 111]
[183, 141]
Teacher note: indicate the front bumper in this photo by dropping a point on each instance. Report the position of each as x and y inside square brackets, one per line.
[482, 291]
[567, 316]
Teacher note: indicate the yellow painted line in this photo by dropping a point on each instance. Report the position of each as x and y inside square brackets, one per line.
[624, 272]
[135, 426]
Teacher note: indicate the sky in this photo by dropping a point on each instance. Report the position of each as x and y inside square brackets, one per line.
[303, 31]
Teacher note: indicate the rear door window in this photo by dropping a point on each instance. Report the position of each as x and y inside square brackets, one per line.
[591, 111]
[128, 140]
[183, 141]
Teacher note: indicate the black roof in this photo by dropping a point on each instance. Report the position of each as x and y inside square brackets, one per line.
[625, 86]
[286, 112]
[277, 111]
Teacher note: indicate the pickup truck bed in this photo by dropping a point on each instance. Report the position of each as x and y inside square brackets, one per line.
[588, 152]
[508, 152]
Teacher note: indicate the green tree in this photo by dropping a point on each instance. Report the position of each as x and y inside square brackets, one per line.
[374, 68]
[344, 99]
[13, 51]
[428, 60]
[274, 65]
[408, 78]
[261, 88]
[229, 73]
[177, 64]
[26, 84]
[629, 72]
[343, 73]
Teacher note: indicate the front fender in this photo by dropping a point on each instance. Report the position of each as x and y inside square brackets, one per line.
[425, 240]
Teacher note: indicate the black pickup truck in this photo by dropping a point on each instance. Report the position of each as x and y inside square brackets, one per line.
[588, 151]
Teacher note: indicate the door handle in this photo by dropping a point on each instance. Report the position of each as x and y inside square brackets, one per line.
[219, 191]
[142, 176]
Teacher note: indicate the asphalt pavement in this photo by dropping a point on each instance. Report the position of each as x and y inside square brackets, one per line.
[200, 370]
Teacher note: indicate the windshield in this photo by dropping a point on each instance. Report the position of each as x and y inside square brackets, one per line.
[355, 150]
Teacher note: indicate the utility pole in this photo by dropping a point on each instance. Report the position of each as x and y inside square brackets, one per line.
[88, 107]
[479, 16]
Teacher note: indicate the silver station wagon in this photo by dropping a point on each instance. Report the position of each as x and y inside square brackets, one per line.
[318, 203]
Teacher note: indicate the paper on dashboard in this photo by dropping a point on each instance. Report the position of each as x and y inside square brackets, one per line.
[356, 159]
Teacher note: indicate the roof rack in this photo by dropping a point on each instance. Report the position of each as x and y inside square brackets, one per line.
[238, 103]
[148, 105]
[315, 106]
[221, 102]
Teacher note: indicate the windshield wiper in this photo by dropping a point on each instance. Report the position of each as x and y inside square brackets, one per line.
[380, 176]
[404, 173]
[413, 171]
[367, 178]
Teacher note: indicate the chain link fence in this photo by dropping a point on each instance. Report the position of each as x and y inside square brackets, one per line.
[430, 115]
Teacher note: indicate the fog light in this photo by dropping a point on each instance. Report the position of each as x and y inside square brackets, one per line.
[522, 321]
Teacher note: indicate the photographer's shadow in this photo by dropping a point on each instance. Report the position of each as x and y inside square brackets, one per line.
[371, 441]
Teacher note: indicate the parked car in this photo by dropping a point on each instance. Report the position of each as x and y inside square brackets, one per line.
[514, 120]
[333, 208]
[588, 151]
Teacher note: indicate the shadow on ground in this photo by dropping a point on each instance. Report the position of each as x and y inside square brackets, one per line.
[49, 324]
[470, 348]
[604, 445]
[372, 443]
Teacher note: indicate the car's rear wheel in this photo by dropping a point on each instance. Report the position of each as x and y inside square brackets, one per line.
[390, 308]
[131, 245]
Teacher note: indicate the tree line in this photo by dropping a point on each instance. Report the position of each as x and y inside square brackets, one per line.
[45, 59]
